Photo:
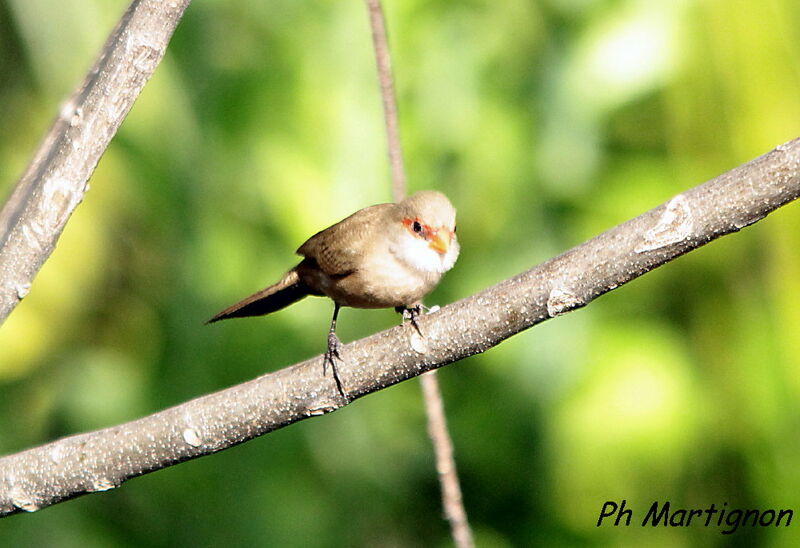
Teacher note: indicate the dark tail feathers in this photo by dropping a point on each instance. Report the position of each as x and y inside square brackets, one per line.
[280, 295]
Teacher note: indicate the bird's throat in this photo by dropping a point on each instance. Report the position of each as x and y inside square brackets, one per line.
[417, 255]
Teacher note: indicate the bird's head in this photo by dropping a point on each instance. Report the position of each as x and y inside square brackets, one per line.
[426, 231]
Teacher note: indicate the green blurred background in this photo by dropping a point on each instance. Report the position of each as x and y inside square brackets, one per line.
[545, 122]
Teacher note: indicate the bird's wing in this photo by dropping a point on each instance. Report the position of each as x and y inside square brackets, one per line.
[339, 249]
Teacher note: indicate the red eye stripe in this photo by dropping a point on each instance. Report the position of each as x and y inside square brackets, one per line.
[417, 228]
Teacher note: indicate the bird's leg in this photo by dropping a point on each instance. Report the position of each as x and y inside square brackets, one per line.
[332, 352]
[411, 313]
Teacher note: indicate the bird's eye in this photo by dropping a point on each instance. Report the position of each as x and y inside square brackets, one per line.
[455, 228]
[416, 227]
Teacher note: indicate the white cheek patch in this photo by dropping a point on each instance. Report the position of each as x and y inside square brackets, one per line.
[450, 257]
[418, 254]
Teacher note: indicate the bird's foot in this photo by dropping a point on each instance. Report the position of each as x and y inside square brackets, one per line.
[331, 355]
[411, 314]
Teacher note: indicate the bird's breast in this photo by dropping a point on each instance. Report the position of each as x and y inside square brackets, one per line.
[381, 281]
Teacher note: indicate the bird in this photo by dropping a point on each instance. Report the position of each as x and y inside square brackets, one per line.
[387, 255]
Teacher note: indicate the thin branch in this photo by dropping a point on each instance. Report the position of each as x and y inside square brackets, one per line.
[445, 461]
[452, 501]
[384, 64]
[55, 181]
[103, 459]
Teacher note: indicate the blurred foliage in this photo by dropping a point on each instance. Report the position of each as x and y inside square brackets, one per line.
[546, 122]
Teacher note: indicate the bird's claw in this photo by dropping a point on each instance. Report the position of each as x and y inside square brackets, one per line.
[411, 314]
[331, 355]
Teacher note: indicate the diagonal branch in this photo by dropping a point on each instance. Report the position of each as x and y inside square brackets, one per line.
[103, 459]
[55, 181]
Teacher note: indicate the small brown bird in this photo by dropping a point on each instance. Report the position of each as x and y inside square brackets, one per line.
[386, 255]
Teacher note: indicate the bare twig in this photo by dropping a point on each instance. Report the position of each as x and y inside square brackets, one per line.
[452, 501]
[55, 181]
[445, 461]
[384, 64]
[103, 459]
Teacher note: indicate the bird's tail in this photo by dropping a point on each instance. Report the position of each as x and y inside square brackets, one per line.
[289, 289]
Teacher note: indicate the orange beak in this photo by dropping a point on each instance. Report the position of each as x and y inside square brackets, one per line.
[438, 243]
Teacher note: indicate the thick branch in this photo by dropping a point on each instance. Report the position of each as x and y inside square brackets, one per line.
[55, 181]
[103, 459]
